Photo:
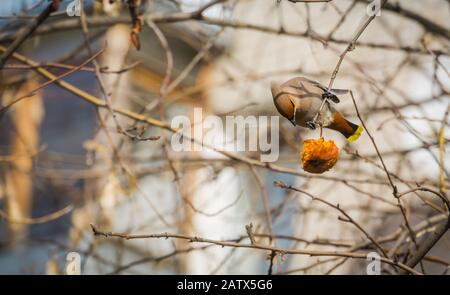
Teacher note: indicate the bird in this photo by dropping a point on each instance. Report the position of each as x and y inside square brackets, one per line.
[300, 99]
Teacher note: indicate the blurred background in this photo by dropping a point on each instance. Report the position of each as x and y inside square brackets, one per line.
[66, 164]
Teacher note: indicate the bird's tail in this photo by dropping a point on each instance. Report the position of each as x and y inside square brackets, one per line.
[348, 129]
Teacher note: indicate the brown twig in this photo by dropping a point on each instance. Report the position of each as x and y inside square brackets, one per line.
[195, 239]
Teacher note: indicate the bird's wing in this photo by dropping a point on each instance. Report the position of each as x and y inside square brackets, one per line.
[335, 91]
[339, 91]
[313, 88]
[331, 94]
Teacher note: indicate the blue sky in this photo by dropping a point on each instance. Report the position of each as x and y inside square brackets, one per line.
[10, 7]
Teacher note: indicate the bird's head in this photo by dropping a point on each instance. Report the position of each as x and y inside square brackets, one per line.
[275, 88]
[282, 101]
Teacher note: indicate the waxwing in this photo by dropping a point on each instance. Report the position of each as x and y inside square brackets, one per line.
[300, 99]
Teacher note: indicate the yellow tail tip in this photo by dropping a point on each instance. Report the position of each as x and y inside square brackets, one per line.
[356, 135]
